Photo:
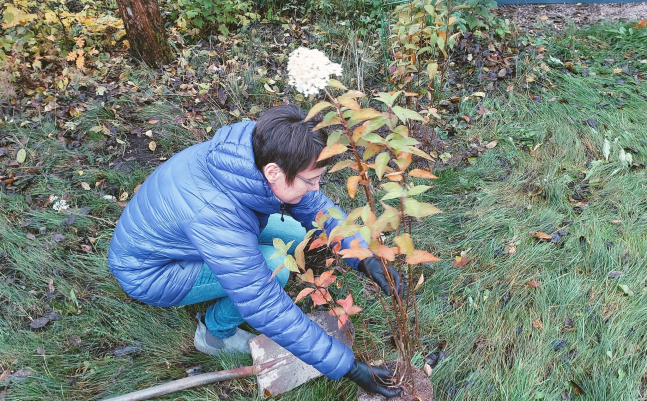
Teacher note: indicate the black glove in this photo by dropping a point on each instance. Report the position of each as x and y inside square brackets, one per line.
[372, 267]
[362, 374]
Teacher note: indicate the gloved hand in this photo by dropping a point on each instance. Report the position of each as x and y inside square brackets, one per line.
[372, 267]
[361, 374]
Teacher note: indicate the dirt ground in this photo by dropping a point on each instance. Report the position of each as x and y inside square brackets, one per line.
[561, 15]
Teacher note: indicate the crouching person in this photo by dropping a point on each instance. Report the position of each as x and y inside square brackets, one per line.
[201, 227]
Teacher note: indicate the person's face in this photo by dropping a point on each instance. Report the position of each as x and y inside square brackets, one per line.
[307, 180]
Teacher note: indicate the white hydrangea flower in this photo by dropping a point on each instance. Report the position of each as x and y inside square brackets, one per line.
[309, 70]
[61, 205]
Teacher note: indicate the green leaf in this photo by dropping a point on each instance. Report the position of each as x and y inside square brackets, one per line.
[334, 137]
[388, 99]
[335, 213]
[365, 232]
[291, 264]
[404, 114]
[21, 156]
[418, 189]
[366, 114]
[380, 164]
[375, 124]
[316, 109]
[394, 190]
[419, 209]
[373, 138]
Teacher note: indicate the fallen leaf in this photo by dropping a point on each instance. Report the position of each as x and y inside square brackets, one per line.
[58, 237]
[541, 235]
[153, 120]
[86, 248]
[617, 70]
[460, 261]
[533, 283]
[559, 345]
[641, 24]
[85, 186]
[421, 280]
[427, 369]
[21, 155]
[50, 286]
[537, 324]
[123, 196]
[616, 222]
[491, 145]
[614, 274]
[152, 146]
[38, 323]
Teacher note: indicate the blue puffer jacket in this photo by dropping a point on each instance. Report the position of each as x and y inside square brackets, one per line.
[209, 203]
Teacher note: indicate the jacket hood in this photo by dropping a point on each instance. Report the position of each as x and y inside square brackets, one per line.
[235, 171]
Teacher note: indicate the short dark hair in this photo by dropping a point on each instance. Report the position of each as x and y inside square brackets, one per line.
[282, 137]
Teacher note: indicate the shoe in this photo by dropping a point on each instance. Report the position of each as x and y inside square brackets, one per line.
[209, 344]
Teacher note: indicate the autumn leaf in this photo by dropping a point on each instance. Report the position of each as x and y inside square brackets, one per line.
[361, 253]
[541, 235]
[387, 253]
[317, 243]
[303, 293]
[405, 243]
[316, 109]
[332, 150]
[533, 284]
[460, 261]
[421, 257]
[418, 173]
[641, 24]
[351, 185]
[325, 279]
[321, 297]
[307, 277]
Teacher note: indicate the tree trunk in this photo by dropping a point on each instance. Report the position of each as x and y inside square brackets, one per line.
[145, 30]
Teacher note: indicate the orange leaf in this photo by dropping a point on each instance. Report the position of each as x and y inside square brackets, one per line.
[342, 317]
[541, 235]
[329, 261]
[317, 243]
[420, 257]
[320, 297]
[533, 284]
[460, 261]
[387, 253]
[332, 150]
[336, 247]
[325, 279]
[397, 176]
[641, 24]
[361, 253]
[303, 293]
[418, 173]
[351, 184]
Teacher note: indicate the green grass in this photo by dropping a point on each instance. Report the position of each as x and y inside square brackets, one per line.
[484, 311]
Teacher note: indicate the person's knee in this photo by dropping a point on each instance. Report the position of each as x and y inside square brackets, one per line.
[282, 276]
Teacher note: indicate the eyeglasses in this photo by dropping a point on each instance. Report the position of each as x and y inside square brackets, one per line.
[321, 180]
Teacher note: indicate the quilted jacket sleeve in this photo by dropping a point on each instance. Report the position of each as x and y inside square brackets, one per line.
[306, 211]
[228, 244]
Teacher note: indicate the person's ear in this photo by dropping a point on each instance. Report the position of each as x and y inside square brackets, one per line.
[272, 173]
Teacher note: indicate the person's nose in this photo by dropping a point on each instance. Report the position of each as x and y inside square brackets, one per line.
[315, 187]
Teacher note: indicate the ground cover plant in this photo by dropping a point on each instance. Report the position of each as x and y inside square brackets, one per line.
[541, 287]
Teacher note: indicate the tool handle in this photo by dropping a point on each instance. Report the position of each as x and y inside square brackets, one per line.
[193, 381]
